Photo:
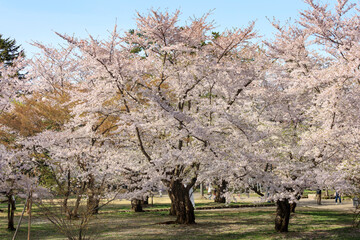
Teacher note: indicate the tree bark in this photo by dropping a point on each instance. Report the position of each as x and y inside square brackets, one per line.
[219, 196]
[11, 211]
[172, 208]
[183, 207]
[136, 205]
[66, 207]
[93, 200]
[29, 212]
[282, 215]
[93, 204]
[72, 212]
[327, 194]
[292, 207]
[145, 201]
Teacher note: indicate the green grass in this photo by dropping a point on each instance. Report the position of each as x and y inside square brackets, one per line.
[165, 206]
[242, 223]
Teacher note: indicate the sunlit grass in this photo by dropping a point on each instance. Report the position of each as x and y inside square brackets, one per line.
[241, 223]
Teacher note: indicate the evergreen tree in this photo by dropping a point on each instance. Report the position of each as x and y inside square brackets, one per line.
[9, 50]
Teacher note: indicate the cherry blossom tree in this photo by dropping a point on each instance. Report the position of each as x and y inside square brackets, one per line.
[11, 85]
[68, 149]
[12, 179]
[17, 178]
[178, 104]
[158, 81]
[316, 70]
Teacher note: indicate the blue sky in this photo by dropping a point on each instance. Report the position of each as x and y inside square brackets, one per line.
[36, 20]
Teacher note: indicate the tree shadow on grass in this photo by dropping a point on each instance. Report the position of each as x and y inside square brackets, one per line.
[338, 234]
[148, 228]
[246, 224]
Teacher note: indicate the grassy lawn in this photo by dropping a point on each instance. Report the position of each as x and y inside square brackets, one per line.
[166, 206]
[240, 223]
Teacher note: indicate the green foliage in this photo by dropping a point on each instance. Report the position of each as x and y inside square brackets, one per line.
[215, 35]
[9, 50]
[136, 50]
[44, 172]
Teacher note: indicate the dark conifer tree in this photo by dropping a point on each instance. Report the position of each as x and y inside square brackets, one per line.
[9, 50]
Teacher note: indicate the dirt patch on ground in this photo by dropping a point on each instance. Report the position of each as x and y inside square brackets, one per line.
[328, 204]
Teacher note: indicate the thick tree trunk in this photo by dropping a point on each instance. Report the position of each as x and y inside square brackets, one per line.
[145, 201]
[11, 211]
[136, 205]
[219, 196]
[172, 208]
[184, 209]
[282, 215]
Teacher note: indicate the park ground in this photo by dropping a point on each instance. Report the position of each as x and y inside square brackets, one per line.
[311, 221]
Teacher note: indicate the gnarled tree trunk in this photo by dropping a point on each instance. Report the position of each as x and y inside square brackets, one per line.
[136, 205]
[172, 208]
[183, 207]
[145, 201]
[219, 196]
[282, 215]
